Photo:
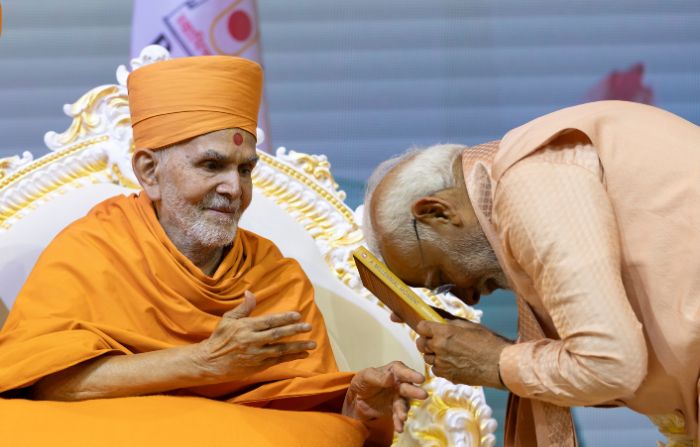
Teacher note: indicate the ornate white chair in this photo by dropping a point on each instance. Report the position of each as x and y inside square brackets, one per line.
[296, 203]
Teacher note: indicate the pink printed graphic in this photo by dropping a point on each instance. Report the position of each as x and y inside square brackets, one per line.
[623, 85]
[194, 37]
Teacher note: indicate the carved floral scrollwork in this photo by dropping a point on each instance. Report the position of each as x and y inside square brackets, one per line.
[316, 166]
[11, 164]
[451, 416]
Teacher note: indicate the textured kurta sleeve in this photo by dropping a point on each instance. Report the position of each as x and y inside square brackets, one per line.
[555, 219]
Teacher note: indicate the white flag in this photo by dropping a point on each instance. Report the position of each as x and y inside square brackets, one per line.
[201, 27]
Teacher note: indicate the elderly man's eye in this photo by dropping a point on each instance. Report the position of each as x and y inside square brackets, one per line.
[211, 165]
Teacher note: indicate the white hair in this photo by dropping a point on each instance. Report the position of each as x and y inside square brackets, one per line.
[420, 172]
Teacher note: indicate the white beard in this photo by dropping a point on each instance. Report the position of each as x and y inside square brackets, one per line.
[197, 225]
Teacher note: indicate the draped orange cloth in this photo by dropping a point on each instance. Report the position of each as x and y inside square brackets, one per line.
[112, 283]
[175, 100]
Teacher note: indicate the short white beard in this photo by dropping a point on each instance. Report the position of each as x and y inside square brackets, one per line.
[210, 235]
[195, 227]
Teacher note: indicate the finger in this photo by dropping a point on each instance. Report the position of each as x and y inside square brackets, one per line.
[422, 345]
[403, 373]
[277, 333]
[426, 328]
[395, 318]
[410, 391]
[400, 408]
[399, 414]
[432, 345]
[244, 309]
[376, 377]
[265, 322]
[281, 349]
[398, 425]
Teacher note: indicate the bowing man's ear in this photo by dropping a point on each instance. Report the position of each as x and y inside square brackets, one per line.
[435, 211]
[145, 164]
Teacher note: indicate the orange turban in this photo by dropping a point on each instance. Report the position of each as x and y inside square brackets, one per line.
[179, 99]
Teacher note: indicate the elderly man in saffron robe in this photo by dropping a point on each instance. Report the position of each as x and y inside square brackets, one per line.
[162, 293]
[591, 215]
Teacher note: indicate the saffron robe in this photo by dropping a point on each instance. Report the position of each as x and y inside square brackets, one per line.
[112, 283]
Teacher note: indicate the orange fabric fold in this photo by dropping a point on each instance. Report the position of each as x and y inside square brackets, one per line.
[113, 283]
[175, 100]
[169, 421]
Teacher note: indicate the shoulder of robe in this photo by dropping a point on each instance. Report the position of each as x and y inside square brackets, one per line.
[261, 247]
[265, 251]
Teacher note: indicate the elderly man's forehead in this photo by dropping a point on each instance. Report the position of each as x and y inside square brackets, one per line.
[236, 137]
[217, 145]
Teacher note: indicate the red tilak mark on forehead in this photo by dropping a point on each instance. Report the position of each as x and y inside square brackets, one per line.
[238, 139]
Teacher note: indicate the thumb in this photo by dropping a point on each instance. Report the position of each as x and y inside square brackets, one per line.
[245, 308]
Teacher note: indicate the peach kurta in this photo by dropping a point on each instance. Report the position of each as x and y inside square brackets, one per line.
[112, 283]
[598, 233]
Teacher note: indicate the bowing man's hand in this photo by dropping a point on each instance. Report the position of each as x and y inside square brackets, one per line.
[383, 393]
[241, 345]
[462, 352]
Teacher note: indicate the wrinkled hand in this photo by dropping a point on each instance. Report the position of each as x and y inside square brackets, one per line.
[462, 352]
[241, 345]
[383, 392]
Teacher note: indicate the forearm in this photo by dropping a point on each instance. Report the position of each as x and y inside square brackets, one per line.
[549, 370]
[125, 375]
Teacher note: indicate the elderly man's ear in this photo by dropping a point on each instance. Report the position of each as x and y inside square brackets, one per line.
[145, 164]
[437, 210]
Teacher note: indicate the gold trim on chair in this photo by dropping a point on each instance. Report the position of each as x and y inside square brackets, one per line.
[30, 188]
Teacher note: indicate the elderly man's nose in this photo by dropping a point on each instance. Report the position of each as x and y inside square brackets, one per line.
[230, 185]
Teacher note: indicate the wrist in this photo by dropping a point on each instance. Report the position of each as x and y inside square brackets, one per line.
[199, 363]
[498, 377]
